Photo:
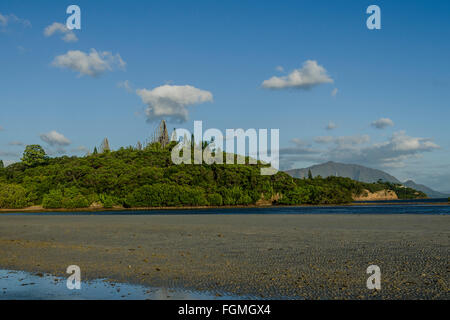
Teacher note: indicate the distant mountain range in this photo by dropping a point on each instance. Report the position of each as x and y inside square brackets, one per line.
[359, 173]
[428, 191]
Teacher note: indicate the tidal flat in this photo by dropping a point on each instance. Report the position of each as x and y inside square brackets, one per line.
[263, 256]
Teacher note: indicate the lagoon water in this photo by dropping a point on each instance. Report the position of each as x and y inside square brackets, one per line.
[19, 285]
[427, 207]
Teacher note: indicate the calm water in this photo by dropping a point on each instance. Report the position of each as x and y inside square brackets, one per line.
[403, 207]
[19, 285]
[414, 201]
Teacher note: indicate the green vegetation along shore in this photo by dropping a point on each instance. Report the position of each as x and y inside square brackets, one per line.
[146, 177]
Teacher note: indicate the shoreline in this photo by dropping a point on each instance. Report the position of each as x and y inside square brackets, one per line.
[38, 209]
[23, 285]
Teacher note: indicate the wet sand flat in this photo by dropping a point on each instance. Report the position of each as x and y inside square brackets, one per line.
[269, 256]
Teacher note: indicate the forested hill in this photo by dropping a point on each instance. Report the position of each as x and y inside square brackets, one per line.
[131, 177]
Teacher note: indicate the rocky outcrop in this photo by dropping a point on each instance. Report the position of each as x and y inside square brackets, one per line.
[378, 195]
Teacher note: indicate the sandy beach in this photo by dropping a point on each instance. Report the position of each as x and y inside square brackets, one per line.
[268, 256]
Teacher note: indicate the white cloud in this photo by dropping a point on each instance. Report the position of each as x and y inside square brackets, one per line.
[331, 125]
[393, 153]
[125, 85]
[311, 74]
[400, 141]
[334, 92]
[300, 142]
[3, 20]
[59, 28]
[54, 138]
[80, 149]
[346, 141]
[343, 140]
[279, 69]
[323, 139]
[93, 64]
[382, 123]
[300, 147]
[171, 102]
[6, 20]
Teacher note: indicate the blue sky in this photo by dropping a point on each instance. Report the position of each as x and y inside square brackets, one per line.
[228, 49]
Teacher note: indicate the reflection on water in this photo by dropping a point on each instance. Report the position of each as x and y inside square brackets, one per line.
[19, 285]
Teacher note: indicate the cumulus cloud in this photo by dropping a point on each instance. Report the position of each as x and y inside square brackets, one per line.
[382, 123]
[67, 35]
[54, 138]
[6, 20]
[311, 74]
[393, 153]
[331, 125]
[171, 102]
[93, 64]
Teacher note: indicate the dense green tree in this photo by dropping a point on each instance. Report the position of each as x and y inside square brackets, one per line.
[1, 164]
[107, 201]
[53, 200]
[310, 176]
[34, 155]
[69, 198]
[74, 199]
[13, 196]
[215, 199]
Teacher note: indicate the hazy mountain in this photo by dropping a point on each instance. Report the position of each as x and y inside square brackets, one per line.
[429, 192]
[359, 173]
[352, 171]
